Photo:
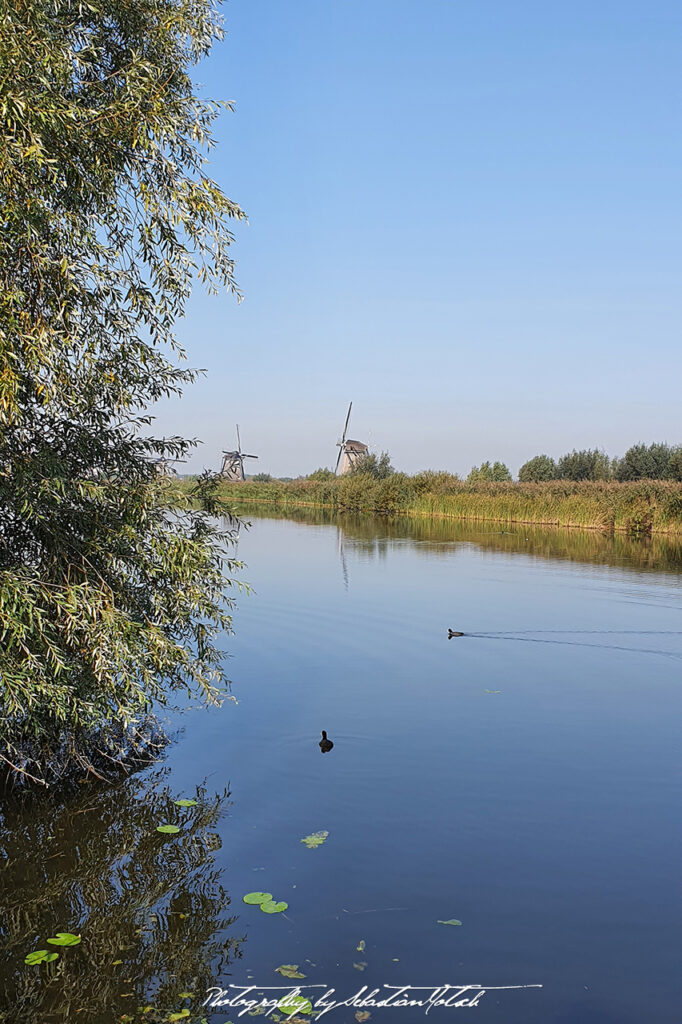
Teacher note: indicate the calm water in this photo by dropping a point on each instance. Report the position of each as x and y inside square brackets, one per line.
[544, 816]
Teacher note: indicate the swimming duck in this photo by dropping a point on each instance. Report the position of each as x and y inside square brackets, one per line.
[453, 632]
[325, 744]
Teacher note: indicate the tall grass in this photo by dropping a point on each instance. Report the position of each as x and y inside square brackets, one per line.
[640, 507]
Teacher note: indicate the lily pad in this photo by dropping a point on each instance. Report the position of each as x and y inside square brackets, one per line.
[453, 921]
[273, 907]
[315, 839]
[40, 956]
[186, 803]
[254, 898]
[168, 830]
[65, 939]
[289, 971]
[294, 1004]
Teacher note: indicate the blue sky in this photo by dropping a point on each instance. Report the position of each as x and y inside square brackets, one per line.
[464, 215]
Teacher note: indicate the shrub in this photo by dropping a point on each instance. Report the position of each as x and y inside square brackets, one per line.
[371, 464]
[435, 481]
[487, 473]
[538, 469]
[588, 464]
[647, 462]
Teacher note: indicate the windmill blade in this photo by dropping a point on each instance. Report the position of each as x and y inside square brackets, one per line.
[249, 456]
[336, 467]
[239, 443]
[343, 438]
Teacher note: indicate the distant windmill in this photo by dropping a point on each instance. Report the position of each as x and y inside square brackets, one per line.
[233, 463]
[349, 451]
[164, 466]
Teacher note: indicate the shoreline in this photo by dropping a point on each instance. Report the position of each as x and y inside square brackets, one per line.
[606, 528]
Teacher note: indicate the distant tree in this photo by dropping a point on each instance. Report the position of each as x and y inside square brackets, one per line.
[645, 462]
[501, 473]
[675, 464]
[261, 478]
[538, 469]
[321, 474]
[588, 464]
[487, 473]
[371, 464]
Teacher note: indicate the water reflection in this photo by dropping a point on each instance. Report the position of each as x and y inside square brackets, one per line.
[373, 536]
[151, 909]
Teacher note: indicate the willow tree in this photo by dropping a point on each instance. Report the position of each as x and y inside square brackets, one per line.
[111, 583]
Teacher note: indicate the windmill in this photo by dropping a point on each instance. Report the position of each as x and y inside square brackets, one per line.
[349, 451]
[164, 466]
[233, 463]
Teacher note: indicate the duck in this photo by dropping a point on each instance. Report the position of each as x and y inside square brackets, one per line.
[453, 632]
[325, 744]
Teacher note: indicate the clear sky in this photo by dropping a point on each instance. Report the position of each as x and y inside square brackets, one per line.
[465, 216]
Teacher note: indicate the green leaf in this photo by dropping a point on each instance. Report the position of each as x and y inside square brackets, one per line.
[361, 946]
[186, 803]
[168, 830]
[186, 995]
[289, 971]
[294, 1004]
[65, 939]
[40, 956]
[180, 1015]
[273, 907]
[315, 840]
[254, 898]
[453, 921]
[360, 966]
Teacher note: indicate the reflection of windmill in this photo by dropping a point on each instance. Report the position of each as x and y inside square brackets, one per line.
[233, 462]
[342, 556]
[349, 451]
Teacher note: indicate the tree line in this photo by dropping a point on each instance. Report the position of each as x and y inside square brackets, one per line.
[658, 461]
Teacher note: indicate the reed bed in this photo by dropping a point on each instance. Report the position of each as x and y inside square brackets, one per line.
[641, 507]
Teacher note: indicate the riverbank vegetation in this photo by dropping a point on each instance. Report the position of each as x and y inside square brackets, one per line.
[640, 507]
[112, 583]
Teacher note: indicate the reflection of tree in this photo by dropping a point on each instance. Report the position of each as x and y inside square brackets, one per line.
[375, 535]
[97, 866]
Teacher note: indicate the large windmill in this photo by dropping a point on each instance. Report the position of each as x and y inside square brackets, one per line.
[349, 451]
[233, 463]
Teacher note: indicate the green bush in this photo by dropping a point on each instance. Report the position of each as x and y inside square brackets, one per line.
[487, 473]
[649, 462]
[371, 464]
[588, 464]
[538, 469]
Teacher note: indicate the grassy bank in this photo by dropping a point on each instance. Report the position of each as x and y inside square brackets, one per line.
[641, 507]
